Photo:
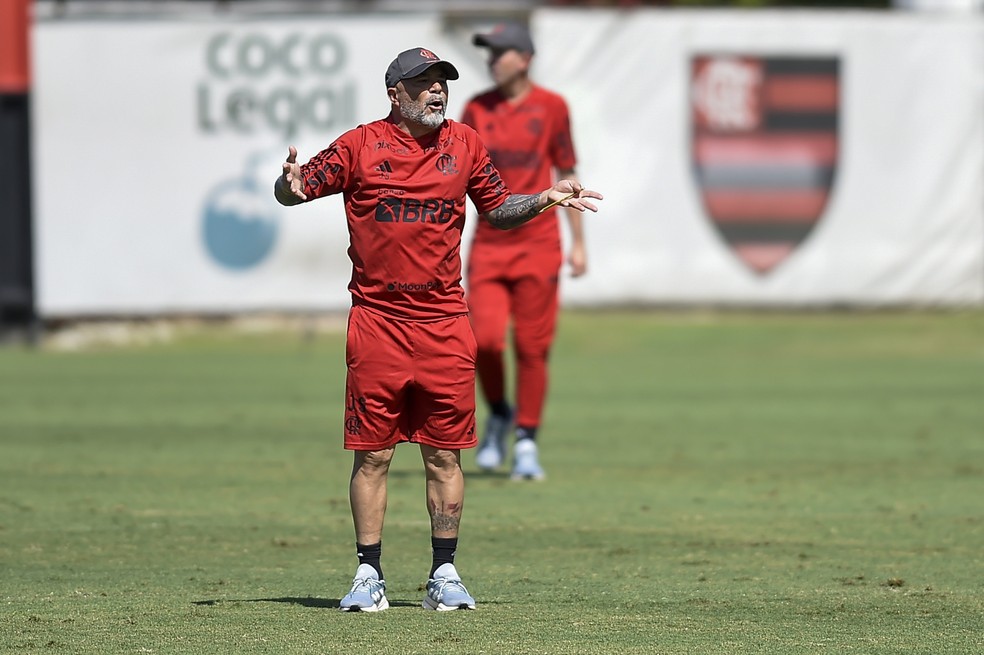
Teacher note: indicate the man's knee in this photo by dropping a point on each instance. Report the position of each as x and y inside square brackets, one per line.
[441, 462]
[490, 344]
[533, 353]
[373, 461]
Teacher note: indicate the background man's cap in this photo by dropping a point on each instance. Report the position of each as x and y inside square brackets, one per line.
[414, 62]
[506, 36]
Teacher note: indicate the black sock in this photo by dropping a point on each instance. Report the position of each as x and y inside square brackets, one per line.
[370, 555]
[501, 408]
[525, 433]
[443, 551]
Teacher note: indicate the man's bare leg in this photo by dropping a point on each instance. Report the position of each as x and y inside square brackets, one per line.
[445, 490]
[445, 497]
[367, 493]
[367, 496]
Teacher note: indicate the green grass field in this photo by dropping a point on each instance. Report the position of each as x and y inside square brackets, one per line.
[718, 483]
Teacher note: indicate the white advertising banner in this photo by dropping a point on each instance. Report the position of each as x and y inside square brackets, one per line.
[776, 158]
[752, 158]
[157, 145]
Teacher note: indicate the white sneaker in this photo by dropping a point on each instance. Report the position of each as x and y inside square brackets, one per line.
[492, 451]
[526, 463]
[368, 592]
[445, 592]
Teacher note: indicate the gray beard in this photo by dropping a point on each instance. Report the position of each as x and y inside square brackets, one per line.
[416, 113]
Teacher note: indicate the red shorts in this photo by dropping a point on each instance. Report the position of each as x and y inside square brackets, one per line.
[409, 381]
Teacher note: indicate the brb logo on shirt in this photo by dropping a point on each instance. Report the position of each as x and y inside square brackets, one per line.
[411, 210]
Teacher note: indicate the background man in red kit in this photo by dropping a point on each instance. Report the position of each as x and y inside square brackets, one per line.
[526, 129]
[410, 348]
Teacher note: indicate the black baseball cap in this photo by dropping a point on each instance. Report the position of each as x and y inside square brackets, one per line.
[415, 61]
[506, 36]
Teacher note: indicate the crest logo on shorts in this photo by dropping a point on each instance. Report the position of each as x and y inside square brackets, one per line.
[353, 425]
[764, 148]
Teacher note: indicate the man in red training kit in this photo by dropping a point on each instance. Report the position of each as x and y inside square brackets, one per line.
[410, 348]
[526, 129]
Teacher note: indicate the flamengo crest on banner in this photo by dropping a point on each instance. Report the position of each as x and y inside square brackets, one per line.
[764, 149]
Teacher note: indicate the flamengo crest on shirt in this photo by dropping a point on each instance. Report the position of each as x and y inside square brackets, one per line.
[764, 149]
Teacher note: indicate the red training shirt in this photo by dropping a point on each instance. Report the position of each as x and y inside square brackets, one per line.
[405, 205]
[526, 141]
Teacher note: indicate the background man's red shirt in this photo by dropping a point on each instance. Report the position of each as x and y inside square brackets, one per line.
[526, 142]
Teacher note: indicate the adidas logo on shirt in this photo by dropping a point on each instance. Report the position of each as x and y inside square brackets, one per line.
[384, 169]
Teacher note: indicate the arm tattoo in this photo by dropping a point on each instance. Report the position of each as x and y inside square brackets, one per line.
[516, 210]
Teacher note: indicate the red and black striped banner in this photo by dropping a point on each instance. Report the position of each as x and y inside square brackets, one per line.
[764, 149]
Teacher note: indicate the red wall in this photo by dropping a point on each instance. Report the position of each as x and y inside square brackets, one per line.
[14, 64]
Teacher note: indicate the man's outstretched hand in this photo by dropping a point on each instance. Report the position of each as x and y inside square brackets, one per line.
[570, 193]
[292, 181]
